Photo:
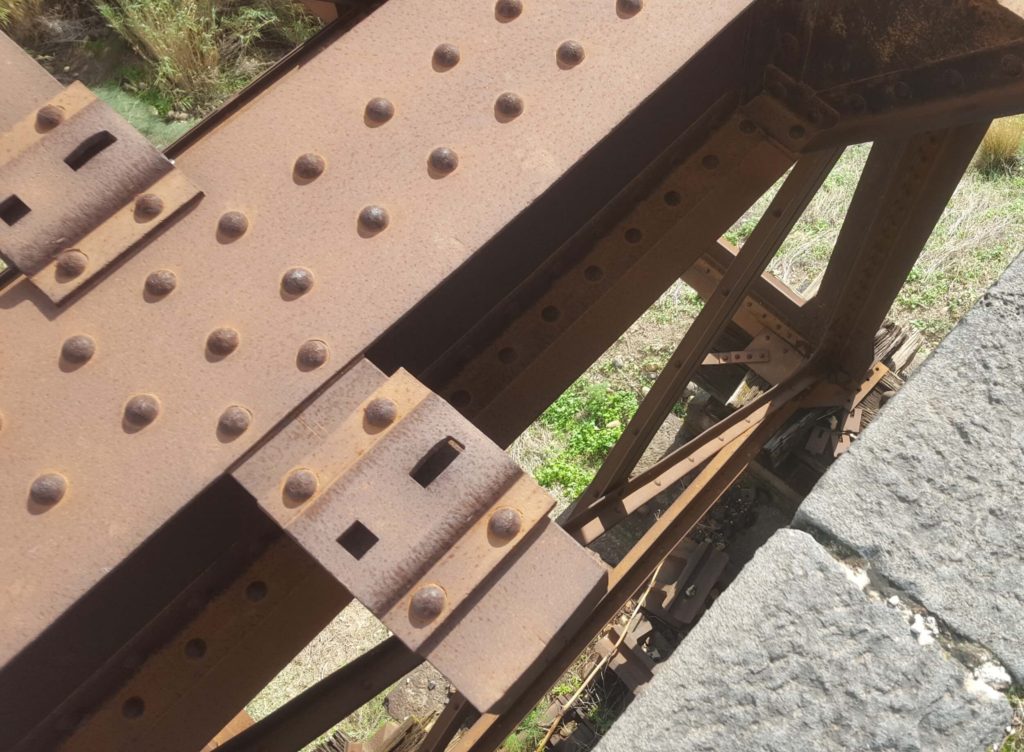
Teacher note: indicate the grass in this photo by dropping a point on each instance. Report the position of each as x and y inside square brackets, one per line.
[1001, 147]
[144, 117]
[1014, 741]
[198, 52]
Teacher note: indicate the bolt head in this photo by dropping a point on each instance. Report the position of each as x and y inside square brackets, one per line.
[49, 116]
[446, 57]
[71, 263]
[223, 341]
[1012, 65]
[443, 160]
[300, 485]
[161, 282]
[570, 53]
[141, 410]
[379, 111]
[48, 488]
[508, 10]
[232, 224]
[629, 8]
[297, 281]
[148, 206]
[381, 412]
[234, 421]
[508, 106]
[427, 603]
[505, 524]
[373, 219]
[310, 166]
[312, 354]
[78, 349]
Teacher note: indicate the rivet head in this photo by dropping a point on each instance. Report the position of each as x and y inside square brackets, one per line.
[381, 412]
[141, 410]
[379, 111]
[71, 263]
[1012, 65]
[161, 282]
[628, 8]
[505, 524]
[148, 205]
[508, 10]
[232, 224]
[78, 349]
[300, 485]
[570, 53]
[373, 219]
[297, 281]
[49, 116]
[310, 166]
[443, 160]
[508, 106]
[446, 57]
[427, 603]
[312, 354]
[48, 488]
[223, 341]
[234, 421]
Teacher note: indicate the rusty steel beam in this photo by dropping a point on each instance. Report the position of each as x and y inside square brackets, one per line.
[487, 218]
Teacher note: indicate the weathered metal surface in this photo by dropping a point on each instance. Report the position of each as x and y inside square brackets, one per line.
[734, 357]
[235, 646]
[423, 519]
[419, 162]
[134, 480]
[27, 85]
[70, 166]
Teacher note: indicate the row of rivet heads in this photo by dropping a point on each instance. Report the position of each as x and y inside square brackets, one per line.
[551, 314]
[372, 219]
[143, 409]
[302, 484]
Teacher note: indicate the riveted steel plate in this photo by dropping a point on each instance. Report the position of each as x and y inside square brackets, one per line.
[71, 176]
[122, 480]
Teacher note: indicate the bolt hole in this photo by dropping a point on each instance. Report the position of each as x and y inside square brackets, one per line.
[550, 314]
[673, 198]
[436, 461]
[256, 591]
[358, 540]
[133, 707]
[593, 273]
[634, 235]
[13, 210]
[507, 355]
[195, 648]
[710, 162]
[89, 149]
[797, 132]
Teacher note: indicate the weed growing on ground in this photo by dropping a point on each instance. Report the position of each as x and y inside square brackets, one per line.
[1001, 147]
[590, 416]
[1014, 741]
[198, 52]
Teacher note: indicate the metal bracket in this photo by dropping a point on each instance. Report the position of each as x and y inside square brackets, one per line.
[789, 111]
[79, 186]
[737, 357]
[429, 524]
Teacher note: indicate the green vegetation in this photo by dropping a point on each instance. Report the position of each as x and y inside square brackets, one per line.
[589, 419]
[198, 52]
[1014, 741]
[1000, 150]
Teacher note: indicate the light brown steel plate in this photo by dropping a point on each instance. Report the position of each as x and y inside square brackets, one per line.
[122, 484]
